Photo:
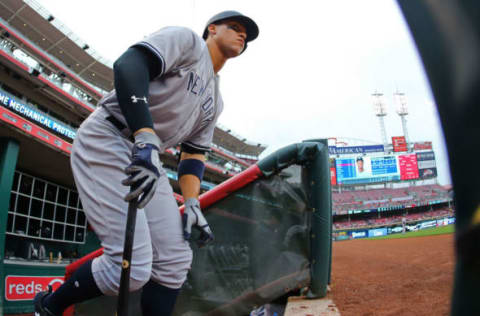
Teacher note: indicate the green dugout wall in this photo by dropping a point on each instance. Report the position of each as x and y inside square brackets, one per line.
[8, 160]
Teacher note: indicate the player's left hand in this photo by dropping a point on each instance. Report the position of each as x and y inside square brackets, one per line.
[193, 217]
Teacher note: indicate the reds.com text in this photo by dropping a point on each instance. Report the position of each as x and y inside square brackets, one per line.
[21, 288]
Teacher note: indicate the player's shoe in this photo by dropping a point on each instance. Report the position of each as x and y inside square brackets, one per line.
[40, 310]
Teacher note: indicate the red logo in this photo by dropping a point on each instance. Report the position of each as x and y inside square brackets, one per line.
[24, 288]
[399, 143]
[333, 176]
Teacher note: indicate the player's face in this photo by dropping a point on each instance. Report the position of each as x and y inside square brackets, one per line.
[360, 165]
[231, 37]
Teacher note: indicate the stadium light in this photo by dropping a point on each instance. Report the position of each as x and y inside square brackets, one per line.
[379, 104]
[380, 109]
[401, 103]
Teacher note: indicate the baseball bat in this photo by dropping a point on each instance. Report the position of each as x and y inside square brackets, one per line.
[123, 293]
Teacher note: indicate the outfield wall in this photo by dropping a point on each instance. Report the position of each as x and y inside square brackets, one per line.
[395, 229]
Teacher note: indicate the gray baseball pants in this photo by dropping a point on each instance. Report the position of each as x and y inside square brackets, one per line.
[99, 156]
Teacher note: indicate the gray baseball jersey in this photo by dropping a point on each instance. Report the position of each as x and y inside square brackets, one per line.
[184, 103]
[184, 99]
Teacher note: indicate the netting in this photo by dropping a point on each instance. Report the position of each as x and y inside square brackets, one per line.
[260, 253]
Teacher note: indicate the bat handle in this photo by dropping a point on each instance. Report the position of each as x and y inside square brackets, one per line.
[123, 293]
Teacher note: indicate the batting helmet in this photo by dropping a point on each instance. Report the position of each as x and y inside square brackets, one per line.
[250, 25]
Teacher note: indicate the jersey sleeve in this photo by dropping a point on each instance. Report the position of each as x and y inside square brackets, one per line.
[174, 46]
[202, 139]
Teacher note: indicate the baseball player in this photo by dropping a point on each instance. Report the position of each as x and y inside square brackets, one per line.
[166, 93]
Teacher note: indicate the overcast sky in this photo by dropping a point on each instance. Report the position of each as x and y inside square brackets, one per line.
[310, 73]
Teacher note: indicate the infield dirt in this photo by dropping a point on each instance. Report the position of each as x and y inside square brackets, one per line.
[407, 276]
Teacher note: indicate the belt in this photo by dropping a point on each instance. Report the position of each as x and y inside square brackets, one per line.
[121, 127]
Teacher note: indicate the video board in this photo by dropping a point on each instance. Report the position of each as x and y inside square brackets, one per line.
[408, 167]
[364, 169]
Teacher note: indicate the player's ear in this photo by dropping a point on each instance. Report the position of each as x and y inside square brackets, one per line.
[212, 29]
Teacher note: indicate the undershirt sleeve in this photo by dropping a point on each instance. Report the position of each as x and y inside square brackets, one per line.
[133, 72]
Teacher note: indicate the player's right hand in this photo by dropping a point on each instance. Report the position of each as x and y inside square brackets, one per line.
[144, 170]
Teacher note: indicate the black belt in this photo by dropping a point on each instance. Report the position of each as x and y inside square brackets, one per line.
[120, 126]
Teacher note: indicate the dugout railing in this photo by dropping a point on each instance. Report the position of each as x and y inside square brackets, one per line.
[273, 228]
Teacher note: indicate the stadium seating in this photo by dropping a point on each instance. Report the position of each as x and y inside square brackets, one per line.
[377, 198]
[392, 220]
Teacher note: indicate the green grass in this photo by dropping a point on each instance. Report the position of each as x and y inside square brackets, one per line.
[424, 232]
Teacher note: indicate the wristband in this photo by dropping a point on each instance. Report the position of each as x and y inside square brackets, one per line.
[191, 166]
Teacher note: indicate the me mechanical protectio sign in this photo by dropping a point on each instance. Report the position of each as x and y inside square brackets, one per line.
[24, 288]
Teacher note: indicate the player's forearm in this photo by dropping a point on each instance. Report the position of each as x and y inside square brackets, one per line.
[145, 129]
[190, 186]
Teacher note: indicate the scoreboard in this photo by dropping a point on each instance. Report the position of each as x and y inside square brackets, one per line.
[363, 169]
[408, 167]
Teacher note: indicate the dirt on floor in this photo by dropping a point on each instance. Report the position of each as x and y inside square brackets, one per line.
[407, 276]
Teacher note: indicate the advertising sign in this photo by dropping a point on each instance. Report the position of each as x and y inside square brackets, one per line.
[333, 176]
[427, 224]
[333, 172]
[426, 156]
[363, 169]
[422, 146]
[377, 232]
[333, 150]
[24, 288]
[408, 167]
[33, 130]
[358, 234]
[395, 230]
[37, 116]
[442, 222]
[427, 173]
[427, 167]
[399, 143]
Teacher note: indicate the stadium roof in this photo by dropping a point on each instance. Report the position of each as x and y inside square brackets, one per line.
[44, 30]
[224, 137]
[43, 33]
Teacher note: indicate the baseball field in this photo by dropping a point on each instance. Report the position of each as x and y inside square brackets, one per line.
[394, 276]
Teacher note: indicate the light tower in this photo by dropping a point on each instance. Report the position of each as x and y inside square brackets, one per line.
[380, 111]
[402, 111]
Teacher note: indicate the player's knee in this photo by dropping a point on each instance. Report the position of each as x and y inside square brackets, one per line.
[175, 273]
[140, 273]
[137, 284]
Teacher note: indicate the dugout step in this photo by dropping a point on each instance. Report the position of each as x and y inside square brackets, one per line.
[302, 306]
